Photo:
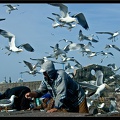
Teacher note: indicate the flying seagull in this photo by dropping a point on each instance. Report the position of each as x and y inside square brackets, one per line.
[106, 55]
[73, 46]
[5, 103]
[12, 46]
[113, 34]
[57, 51]
[11, 8]
[66, 18]
[112, 46]
[84, 37]
[31, 67]
[55, 24]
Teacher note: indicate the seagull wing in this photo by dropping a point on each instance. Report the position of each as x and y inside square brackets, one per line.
[27, 47]
[5, 101]
[2, 19]
[82, 20]
[40, 61]
[63, 10]
[10, 6]
[105, 33]
[51, 18]
[114, 46]
[29, 65]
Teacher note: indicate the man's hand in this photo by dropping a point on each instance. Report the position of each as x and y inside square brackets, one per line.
[30, 95]
[52, 110]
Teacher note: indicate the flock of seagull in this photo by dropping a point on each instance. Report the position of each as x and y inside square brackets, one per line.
[64, 19]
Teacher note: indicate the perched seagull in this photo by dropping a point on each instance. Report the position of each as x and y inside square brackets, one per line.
[112, 46]
[1, 19]
[113, 105]
[113, 34]
[7, 102]
[11, 8]
[31, 67]
[83, 37]
[12, 47]
[101, 105]
[99, 90]
[55, 24]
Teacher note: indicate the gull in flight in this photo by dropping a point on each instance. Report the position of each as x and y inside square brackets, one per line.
[11, 8]
[5, 103]
[91, 54]
[65, 59]
[55, 24]
[113, 34]
[112, 46]
[66, 18]
[86, 48]
[106, 55]
[57, 51]
[40, 61]
[114, 67]
[12, 46]
[83, 37]
[31, 67]
[73, 46]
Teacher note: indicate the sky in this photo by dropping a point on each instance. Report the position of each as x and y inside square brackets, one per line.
[30, 25]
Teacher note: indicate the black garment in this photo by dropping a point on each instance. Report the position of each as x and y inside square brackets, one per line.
[20, 103]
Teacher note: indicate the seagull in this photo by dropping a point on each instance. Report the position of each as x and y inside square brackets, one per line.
[113, 34]
[1, 19]
[7, 102]
[86, 48]
[11, 8]
[73, 46]
[91, 54]
[106, 55]
[31, 67]
[99, 90]
[68, 67]
[83, 37]
[112, 46]
[12, 46]
[44, 59]
[113, 105]
[55, 24]
[57, 51]
[66, 18]
[101, 105]
[114, 67]
[65, 40]
[65, 59]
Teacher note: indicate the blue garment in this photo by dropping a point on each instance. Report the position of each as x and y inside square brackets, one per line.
[66, 92]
